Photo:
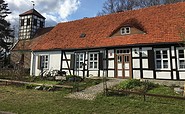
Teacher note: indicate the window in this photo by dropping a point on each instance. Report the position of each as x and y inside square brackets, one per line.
[93, 60]
[28, 21]
[79, 60]
[22, 22]
[122, 51]
[162, 59]
[44, 60]
[125, 30]
[181, 58]
[35, 22]
[41, 24]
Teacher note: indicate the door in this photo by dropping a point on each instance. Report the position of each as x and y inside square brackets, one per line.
[123, 66]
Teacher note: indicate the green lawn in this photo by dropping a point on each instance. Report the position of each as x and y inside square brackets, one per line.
[28, 101]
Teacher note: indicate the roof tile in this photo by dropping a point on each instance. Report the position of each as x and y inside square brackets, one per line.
[161, 24]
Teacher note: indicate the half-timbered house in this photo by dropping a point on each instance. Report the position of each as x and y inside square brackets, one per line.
[140, 44]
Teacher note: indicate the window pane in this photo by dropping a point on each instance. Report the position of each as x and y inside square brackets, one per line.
[126, 58]
[158, 63]
[91, 65]
[95, 65]
[46, 58]
[165, 55]
[181, 53]
[119, 59]
[158, 56]
[165, 63]
[127, 30]
[81, 57]
[95, 56]
[182, 64]
[81, 64]
[77, 64]
[91, 57]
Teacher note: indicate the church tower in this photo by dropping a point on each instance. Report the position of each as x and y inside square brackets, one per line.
[29, 22]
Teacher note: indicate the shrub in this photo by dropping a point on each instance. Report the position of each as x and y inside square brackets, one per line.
[136, 85]
[129, 84]
[74, 78]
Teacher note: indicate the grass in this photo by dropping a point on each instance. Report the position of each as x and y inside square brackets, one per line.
[25, 101]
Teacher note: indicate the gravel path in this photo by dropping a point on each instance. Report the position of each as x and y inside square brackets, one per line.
[91, 92]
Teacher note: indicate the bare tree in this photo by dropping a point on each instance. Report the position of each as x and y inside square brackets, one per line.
[147, 3]
[112, 6]
[108, 7]
[172, 1]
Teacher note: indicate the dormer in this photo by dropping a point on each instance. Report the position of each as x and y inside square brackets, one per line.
[129, 27]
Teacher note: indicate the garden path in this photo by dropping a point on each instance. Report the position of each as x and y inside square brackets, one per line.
[91, 92]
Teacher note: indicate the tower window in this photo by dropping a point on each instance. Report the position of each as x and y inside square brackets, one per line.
[28, 21]
[22, 22]
[41, 24]
[35, 22]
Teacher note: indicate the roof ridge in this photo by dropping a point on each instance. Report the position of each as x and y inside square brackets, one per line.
[116, 13]
[32, 11]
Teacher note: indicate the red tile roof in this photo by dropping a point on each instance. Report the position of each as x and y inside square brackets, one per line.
[161, 24]
[25, 45]
[32, 12]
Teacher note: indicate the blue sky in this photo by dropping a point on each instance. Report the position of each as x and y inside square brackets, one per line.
[88, 8]
[55, 11]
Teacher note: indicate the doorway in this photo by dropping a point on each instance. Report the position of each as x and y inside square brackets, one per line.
[123, 65]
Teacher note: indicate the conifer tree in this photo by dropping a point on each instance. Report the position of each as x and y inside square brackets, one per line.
[6, 34]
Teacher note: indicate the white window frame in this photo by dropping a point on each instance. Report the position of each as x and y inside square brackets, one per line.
[44, 61]
[124, 30]
[93, 61]
[122, 51]
[162, 59]
[79, 60]
[179, 59]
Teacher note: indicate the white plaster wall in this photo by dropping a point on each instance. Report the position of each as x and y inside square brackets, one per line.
[173, 64]
[111, 73]
[174, 75]
[111, 64]
[136, 63]
[173, 51]
[163, 75]
[68, 55]
[54, 61]
[147, 74]
[145, 51]
[182, 75]
[78, 73]
[103, 73]
[93, 73]
[145, 63]
[136, 74]
[64, 64]
[32, 66]
[137, 52]
[111, 53]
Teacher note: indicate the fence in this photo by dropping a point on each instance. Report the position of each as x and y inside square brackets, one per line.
[110, 91]
[9, 73]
